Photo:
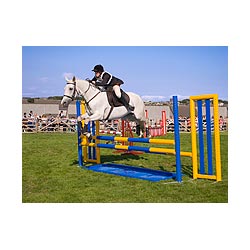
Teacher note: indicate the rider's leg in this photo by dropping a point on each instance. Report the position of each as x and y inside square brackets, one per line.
[118, 93]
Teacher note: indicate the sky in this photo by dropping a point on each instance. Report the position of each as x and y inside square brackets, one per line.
[154, 72]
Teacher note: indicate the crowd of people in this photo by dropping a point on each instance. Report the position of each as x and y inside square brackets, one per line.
[50, 123]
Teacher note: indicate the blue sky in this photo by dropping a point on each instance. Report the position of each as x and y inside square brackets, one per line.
[154, 72]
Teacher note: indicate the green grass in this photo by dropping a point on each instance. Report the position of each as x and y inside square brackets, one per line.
[50, 173]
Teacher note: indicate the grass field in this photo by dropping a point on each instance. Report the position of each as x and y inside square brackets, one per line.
[50, 173]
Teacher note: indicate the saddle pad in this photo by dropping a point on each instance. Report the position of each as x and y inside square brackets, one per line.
[113, 100]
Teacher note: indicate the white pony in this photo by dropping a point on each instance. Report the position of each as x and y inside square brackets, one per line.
[98, 107]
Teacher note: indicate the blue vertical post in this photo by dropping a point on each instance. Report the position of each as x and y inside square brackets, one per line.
[94, 133]
[209, 139]
[177, 139]
[201, 141]
[78, 113]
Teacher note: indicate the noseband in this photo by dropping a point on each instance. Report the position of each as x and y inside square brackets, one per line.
[73, 95]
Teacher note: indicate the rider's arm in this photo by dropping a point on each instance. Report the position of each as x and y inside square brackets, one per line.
[94, 79]
[105, 80]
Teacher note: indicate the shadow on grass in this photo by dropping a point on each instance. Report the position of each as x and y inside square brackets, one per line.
[186, 169]
[75, 162]
[114, 158]
[119, 157]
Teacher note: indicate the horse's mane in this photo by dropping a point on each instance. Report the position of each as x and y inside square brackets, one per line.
[87, 81]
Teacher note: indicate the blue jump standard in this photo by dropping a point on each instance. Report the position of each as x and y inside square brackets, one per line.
[133, 172]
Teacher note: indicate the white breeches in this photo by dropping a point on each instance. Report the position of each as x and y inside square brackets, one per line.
[117, 90]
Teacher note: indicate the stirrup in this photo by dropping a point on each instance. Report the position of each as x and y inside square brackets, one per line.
[131, 108]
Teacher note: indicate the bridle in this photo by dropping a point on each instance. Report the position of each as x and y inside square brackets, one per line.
[74, 92]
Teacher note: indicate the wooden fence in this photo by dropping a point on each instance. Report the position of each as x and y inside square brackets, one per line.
[49, 125]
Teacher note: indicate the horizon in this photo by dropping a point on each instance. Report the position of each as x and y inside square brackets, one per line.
[54, 98]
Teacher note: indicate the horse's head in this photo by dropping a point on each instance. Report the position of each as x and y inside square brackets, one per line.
[69, 91]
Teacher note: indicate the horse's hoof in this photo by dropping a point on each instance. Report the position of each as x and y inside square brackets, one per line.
[88, 135]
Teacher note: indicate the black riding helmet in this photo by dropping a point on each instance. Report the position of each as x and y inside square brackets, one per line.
[98, 68]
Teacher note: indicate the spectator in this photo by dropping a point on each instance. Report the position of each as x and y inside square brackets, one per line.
[24, 122]
[31, 114]
[221, 122]
[25, 116]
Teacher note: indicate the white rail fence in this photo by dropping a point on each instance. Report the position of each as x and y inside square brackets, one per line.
[70, 125]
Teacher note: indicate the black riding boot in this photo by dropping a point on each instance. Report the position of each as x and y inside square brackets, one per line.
[126, 104]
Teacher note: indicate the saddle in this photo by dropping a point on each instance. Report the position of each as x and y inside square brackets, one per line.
[113, 100]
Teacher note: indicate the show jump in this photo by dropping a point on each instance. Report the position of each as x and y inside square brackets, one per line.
[89, 149]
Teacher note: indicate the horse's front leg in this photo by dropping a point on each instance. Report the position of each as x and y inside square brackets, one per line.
[84, 129]
[87, 118]
[94, 117]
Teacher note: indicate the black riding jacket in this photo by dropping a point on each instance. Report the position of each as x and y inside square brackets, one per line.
[106, 80]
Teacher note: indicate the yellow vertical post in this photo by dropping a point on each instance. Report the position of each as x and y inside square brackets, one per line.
[217, 138]
[193, 138]
[84, 148]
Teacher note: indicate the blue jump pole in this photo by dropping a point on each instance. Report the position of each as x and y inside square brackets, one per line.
[209, 138]
[177, 139]
[78, 113]
[201, 140]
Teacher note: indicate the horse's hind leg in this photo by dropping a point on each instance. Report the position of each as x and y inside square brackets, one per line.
[140, 124]
[141, 129]
[138, 129]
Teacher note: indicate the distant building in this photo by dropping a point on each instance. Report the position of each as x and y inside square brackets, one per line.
[53, 107]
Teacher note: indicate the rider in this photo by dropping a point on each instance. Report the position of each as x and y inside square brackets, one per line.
[105, 79]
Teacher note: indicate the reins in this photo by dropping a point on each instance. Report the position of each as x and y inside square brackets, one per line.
[75, 90]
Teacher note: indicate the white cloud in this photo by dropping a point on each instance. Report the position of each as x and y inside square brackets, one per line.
[180, 97]
[45, 91]
[32, 88]
[155, 98]
[28, 94]
[44, 79]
